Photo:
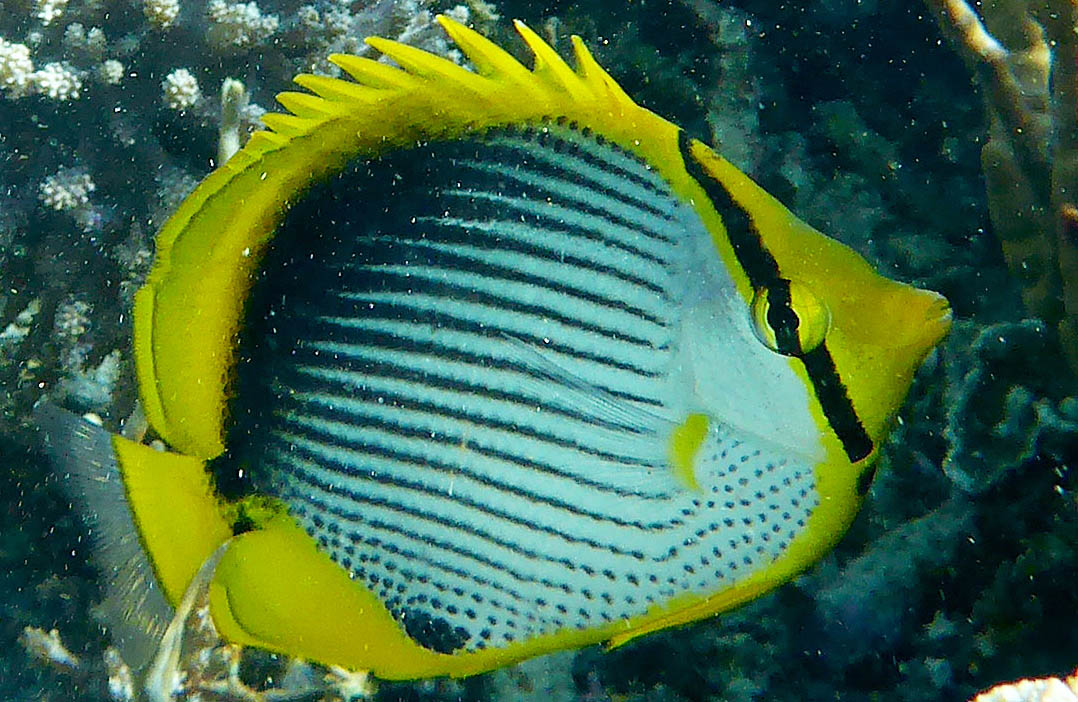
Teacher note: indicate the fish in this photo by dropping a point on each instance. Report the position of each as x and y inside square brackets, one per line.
[457, 366]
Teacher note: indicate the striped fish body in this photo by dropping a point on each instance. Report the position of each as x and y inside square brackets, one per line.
[522, 370]
[467, 396]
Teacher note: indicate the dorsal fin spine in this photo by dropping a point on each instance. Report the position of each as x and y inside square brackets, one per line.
[595, 75]
[287, 125]
[308, 105]
[426, 65]
[489, 59]
[369, 73]
[339, 90]
[550, 67]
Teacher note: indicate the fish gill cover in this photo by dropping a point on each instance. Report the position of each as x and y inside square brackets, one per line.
[858, 115]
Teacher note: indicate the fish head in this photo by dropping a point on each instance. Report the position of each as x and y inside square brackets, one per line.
[836, 342]
[876, 331]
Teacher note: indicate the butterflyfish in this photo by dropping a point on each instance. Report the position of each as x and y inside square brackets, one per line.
[456, 366]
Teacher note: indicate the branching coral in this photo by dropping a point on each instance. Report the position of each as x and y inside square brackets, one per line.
[181, 90]
[239, 25]
[162, 14]
[48, 11]
[1025, 56]
[58, 81]
[67, 189]
[15, 68]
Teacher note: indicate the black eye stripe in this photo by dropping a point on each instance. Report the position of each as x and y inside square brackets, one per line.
[763, 272]
[783, 319]
[831, 393]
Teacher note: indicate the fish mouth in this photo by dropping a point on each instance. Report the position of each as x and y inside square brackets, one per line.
[921, 321]
[938, 319]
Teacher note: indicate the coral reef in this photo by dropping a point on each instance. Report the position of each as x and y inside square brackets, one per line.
[959, 572]
[66, 190]
[161, 14]
[1000, 420]
[237, 26]
[15, 68]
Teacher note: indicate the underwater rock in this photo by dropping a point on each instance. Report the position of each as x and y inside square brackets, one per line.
[870, 605]
[1001, 413]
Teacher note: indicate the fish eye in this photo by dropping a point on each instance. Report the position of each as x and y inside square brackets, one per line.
[792, 321]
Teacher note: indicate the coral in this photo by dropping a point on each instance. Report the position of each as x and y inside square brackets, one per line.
[16, 68]
[481, 11]
[173, 185]
[234, 101]
[545, 679]
[67, 189]
[72, 319]
[121, 682]
[110, 72]
[48, 11]
[855, 617]
[89, 44]
[180, 90]
[733, 118]
[58, 81]
[48, 647]
[1025, 56]
[19, 328]
[88, 387]
[162, 14]
[83, 385]
[1039, 690]
[999, 418]
[239, 25]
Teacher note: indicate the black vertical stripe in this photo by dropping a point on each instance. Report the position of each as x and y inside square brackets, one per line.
[763, 272]
[783, 320]
[831, 392]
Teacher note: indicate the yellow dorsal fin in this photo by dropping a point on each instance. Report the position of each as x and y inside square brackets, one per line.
[438, 95]
[595, 75]
[336, 90]
[434, 69]
[549, 67]
[288, 125]
[309, 106]
[489, 59]
[372, 74]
